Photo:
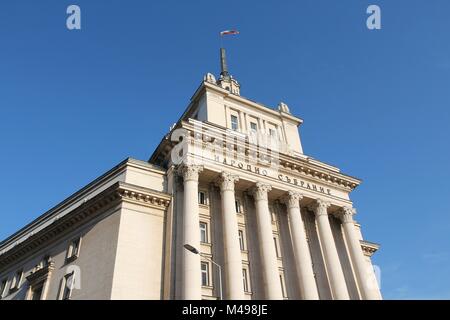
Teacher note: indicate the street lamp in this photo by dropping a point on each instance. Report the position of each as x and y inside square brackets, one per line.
[195, 251]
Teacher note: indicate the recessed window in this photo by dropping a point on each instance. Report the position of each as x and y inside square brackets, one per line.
[237, 204]
[272, 213]
[73, 251]
[272, 133]
[241, 239]
[234, 123]
[245, 280]
[15, 284]
[67, 286]
[253, 127]
[275, 242]
[3, 287]
[283, 287]
[36, 291]
[205, 273]
[204, 232]
[202, 197]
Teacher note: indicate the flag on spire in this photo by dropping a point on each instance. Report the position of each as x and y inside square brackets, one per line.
[226, 32]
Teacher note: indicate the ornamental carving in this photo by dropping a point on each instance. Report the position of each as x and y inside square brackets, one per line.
[319, 207]
[292, 199]
[41, 271]
[260, 191]
[190, 172]
[226, 181]
[346, 214]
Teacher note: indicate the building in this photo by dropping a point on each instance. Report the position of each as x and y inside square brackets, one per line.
[228, 187]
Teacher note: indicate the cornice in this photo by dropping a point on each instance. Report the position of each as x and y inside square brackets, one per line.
[288, 163]
[41, 272]
[369, 248]
[244, 100]
[81, 194]
[146, 197]
[114, 195]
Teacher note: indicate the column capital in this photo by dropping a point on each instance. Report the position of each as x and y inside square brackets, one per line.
[190, 172]
[260, 190]
[320, 207]
[226, 181]
[292, 199]
[346, 214]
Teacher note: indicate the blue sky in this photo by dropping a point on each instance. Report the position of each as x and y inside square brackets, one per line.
[375, 103]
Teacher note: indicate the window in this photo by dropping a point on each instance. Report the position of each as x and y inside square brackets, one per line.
[15, 284]
[3, 287]
[67, 286]
[272, 133]
[275, 242]
[283, 288]
[245, 280]
[74, 249]
[237, 205]
[205, 273]
[203, 232]
[253, 127]
[241, 239]
[36, 292]
[234, 123]
[38, 278]
[202, 197]
[272, 213]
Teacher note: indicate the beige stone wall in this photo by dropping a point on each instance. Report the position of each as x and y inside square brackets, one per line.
[121, 253]
[95, 262]
[217, 107]
[138, 264]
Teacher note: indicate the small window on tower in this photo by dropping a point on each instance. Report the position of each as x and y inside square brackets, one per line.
[234, 123]
[253, 127]
[273, 133]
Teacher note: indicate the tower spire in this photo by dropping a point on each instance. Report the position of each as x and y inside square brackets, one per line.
[226, 81]
[223, 65]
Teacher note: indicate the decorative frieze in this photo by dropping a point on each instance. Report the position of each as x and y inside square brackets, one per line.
[144, 198]
[212, 137]
[120, 191]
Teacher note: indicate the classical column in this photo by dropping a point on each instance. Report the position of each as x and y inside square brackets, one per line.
[233, 257]
[303, 263]
[269, 267]
[192, 289]
[366, 286]
[332, 262]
